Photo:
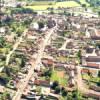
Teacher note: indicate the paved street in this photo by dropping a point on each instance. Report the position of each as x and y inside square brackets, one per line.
[34, 65]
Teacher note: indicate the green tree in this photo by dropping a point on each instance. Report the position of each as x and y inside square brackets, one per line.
[5, 77]
[69, 97]
[77, 95]
[79, 56]
[98, 73]
[84, 5]
[22, 62]
[64, 93]
[99, 13]
[5, 96]
[57, 90]
[48, 73]
[54, 85]
[98, 83]
[2, 41]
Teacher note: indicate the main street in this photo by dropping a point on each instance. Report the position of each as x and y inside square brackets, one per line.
[34, 65]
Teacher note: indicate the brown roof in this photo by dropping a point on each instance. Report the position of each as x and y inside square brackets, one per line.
[47, 61]
[84, 70]
[93, 59]
[42, 82]
[95, 37]
[93, 65]
[50, 62]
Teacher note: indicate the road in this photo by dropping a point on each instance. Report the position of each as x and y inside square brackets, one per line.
[34, 65]
[65, 44]
[15, 46]
[81, 85]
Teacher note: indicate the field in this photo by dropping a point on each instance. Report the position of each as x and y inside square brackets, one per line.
[43, 3]
[59, 76]
[44, 6]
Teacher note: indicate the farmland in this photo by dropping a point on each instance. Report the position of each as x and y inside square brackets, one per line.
[44, 5]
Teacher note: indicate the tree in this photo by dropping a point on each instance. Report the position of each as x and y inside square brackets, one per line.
[99, 74]
[98, 83]
[27, 22]
[64, 93]
[51, 12]
[22, 62]
[5, 96]
[77, 95]
[99, 13]
[14, 70]
[2, 41]
[98, 45]
[4, 77]
[84, 5]
[54, 85]
[41, 25]
[79, 56]
[57, 90]
[42, 97]
[69, 97]
[48, 73]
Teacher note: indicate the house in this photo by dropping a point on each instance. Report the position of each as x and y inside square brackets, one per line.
[63, 53]
[47, 61]
[72, 74]
[93, 59]
[91, 62]
[2, 89]
[45, 90]
[84, 71]
[2, 31]
[93, 65]
[10, 38]
[42, 83]
[51, 23]
[95, 37]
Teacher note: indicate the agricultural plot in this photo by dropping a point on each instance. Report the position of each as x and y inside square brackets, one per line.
[59, 76]
[55, 5]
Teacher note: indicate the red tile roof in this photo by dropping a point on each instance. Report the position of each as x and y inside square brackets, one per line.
[93, 65]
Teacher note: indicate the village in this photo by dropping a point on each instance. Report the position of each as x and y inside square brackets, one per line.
[49, 56]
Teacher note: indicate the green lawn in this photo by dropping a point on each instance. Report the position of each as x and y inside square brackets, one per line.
[43, 3]
[62, 59]
[56, 5]
[93, 79]
[62, 80]
[67, 4]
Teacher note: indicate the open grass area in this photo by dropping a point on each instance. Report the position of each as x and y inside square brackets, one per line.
[67, 4]
[4, 50]
[92, 79]
[43, 3]
[60, 77]
[62, 59]
[54, 5]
